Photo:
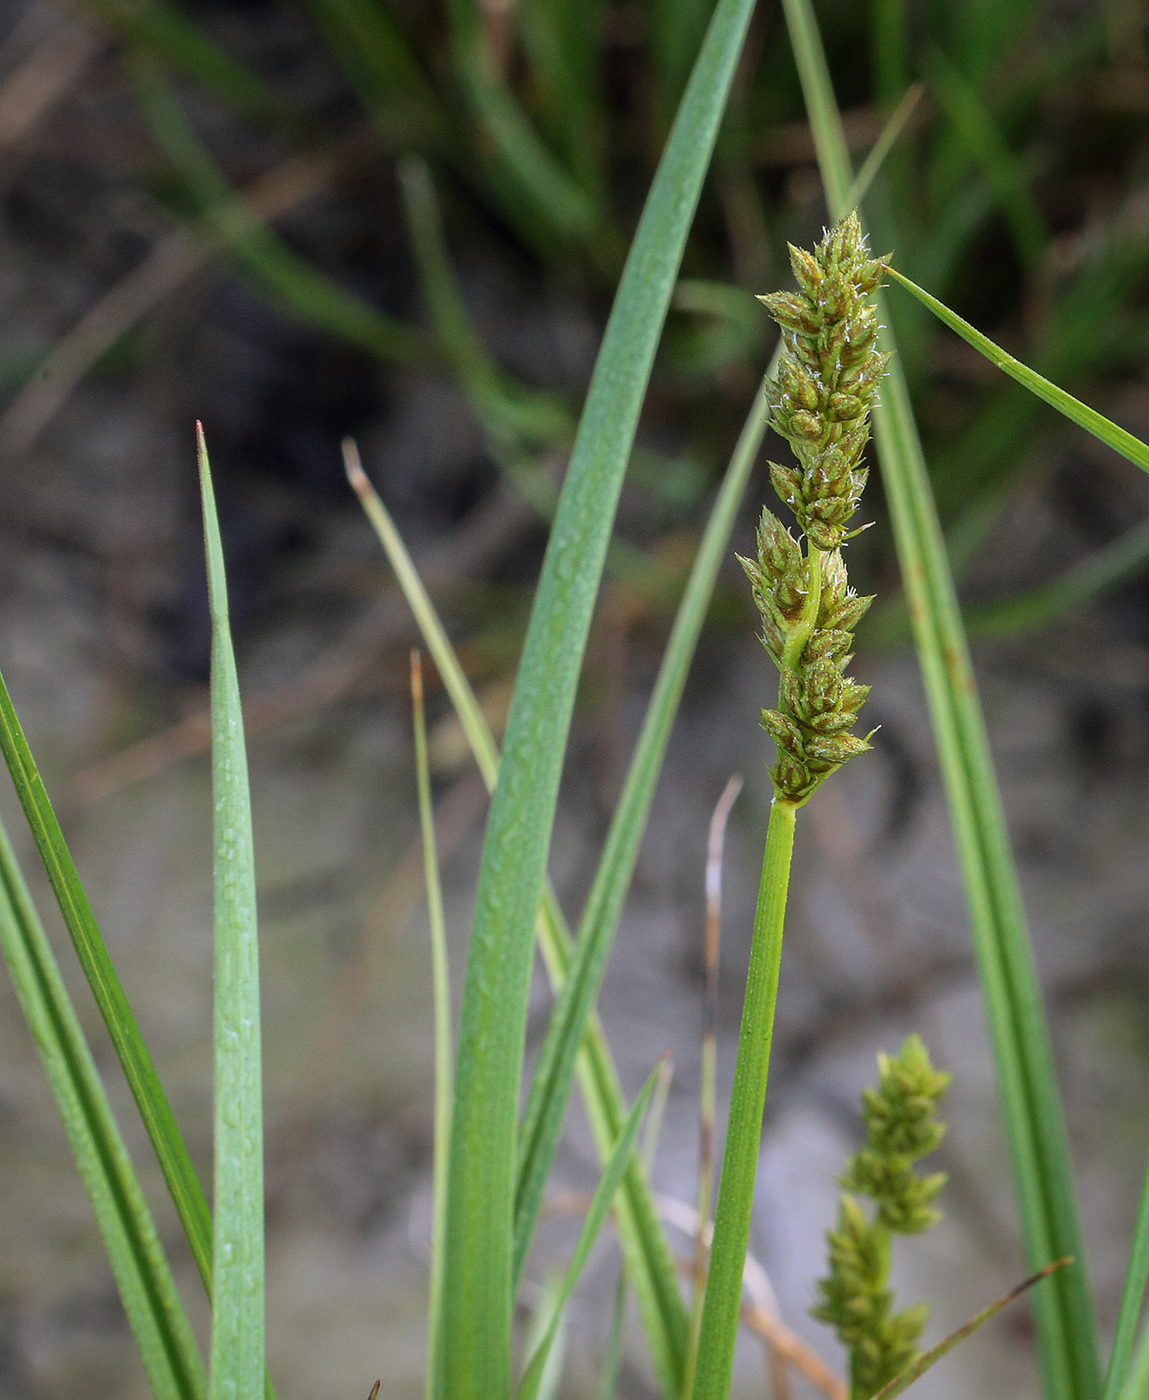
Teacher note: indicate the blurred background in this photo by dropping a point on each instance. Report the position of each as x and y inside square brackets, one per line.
[403, 220]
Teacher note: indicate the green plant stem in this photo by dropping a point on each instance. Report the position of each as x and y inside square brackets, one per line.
[743, 1135]
[708, 1069]
[1034, 1121]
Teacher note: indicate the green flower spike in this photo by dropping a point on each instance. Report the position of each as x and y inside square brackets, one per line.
[820, 402]
[856, 1299]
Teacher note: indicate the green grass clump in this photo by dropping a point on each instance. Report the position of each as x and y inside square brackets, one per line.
[493, 1159]
[820, 400]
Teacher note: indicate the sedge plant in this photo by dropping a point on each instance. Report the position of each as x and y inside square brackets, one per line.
[820, 401]
[493, 1161]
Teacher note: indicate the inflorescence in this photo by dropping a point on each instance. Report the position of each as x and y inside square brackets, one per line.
[820, 401]
[856, 1299]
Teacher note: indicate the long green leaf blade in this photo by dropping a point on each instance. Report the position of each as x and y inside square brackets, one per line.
[159, 1324]
[562, 43]
[1031, 1102]
[1132, 1299]
[135, 1059]
[1033, 1115]
[168, 32]
[1084, 583]
[237, 1334]
[538, 182]
[595, 1219]
[930, 1358]
[377, 60]
[511, 413]
[1137, 1383]
[291, 279]
[477, 1287]
[649, 1262]
[979, 133]
[885, 143]
[1077, 412]
[554, 1072]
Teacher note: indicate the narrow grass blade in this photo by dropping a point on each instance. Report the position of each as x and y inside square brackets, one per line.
[1089, 327]
[550, 1088]
[467, 707]
[649, 1262]
[1088, 581]
[159, 1324]
[442, 994]
[1133, 449]
[293, 281]
[168, 32]
[884, 144]
[540, 185]
[480, 1214]
[548, 1308]
[1137, 1383]
[677, 27]
[374, 54]
[609, 1182]
[612, 1357]
[979, 133]
[237, 1334]
[930, 1358]
[890, 48]
[1031, 1103]
[513, 414]
[134, 1057]
[1132, 1299]
[562, 40]
[649, 1145]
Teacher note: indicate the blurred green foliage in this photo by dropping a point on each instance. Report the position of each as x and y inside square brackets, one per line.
[1016, 193]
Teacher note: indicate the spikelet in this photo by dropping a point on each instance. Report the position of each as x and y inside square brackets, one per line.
[820, 402]
[855, 1298]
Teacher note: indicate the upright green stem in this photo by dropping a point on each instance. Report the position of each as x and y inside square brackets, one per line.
[740, 1161]
[708, 1070]
[441, 985]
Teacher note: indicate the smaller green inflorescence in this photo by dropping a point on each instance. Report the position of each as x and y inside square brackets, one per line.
[820, 402]
[856, 1299]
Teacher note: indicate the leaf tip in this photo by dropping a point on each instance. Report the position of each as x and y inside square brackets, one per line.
[353, 466]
